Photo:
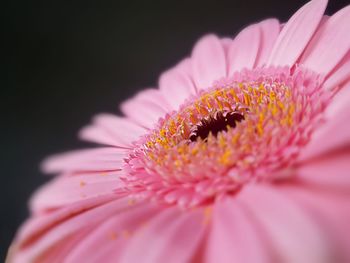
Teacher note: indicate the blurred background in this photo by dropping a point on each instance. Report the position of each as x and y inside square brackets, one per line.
[66, 61]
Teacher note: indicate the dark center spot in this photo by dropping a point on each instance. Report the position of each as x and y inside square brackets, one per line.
[215, 124]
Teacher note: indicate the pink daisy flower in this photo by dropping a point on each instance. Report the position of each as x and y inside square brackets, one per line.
[241, 155]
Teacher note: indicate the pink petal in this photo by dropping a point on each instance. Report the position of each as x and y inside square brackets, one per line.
[110, 238]
[76, 188]
[97, 134]
[208, 61]
[330, 44]
[334, 133]
[153, 96]
[331, 212]
[185, 67]
[172, 236]
[233, 237]
[58, 253]
[296, 34]
[329, 172]
[270, 29]
[176, 87]
[226, 43]
[46, 236]
[99, 159]
[340, 75]
[291, 233]
[43, 221]
[146, 108]
[112, 130]
[244, 49]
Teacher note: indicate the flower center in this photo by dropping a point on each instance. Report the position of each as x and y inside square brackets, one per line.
[242, 129]
[220, 121]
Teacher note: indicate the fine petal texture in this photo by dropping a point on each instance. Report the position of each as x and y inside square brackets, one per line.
[329, 46]
[153, 96]
[68, 227]
[285, 224]
[44, 219]
[59, 252]
[331, 212]
[112, 130]
[99, 159]
[244, 49]
[175, 242]
[234, 236]
[146, 107]
[340, 76]
[76, 188]
[296, 33]
[330, 136]
[185, 68]
[209, 61]
[176, 86]
[270, 29]
[331, 172]
[109, 239]
[226, 43]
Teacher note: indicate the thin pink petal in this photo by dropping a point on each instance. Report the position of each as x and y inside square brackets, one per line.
[330, 172]
[109, 239]
[176, 86]
[270, 29]
[226, 43]
[208, 61]
[146, 108]
[331, 212]
[68, 189]
[153, 96]
[340, 75]
[334, 133]
[296, 34]
[233, 236]
[99, 159]
[43, 221]
[96, 134]
[112, 130]
[244, 49]
[172, 236]
[291, 233]
[185, 67]
[330, 44]
[59, 252]
[75, 224]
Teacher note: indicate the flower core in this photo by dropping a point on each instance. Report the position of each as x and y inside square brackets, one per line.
[213, 124]
[242, 129]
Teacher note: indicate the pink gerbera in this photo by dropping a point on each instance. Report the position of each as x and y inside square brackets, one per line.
[241, 155]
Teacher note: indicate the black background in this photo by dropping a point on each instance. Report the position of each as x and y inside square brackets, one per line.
[66, 61]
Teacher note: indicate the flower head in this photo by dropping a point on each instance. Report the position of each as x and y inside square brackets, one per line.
[240, 155]
[244, 128]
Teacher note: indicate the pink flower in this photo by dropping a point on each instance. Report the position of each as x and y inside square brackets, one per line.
[241, 155]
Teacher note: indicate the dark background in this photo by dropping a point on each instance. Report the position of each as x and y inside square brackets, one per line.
[64, 62]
